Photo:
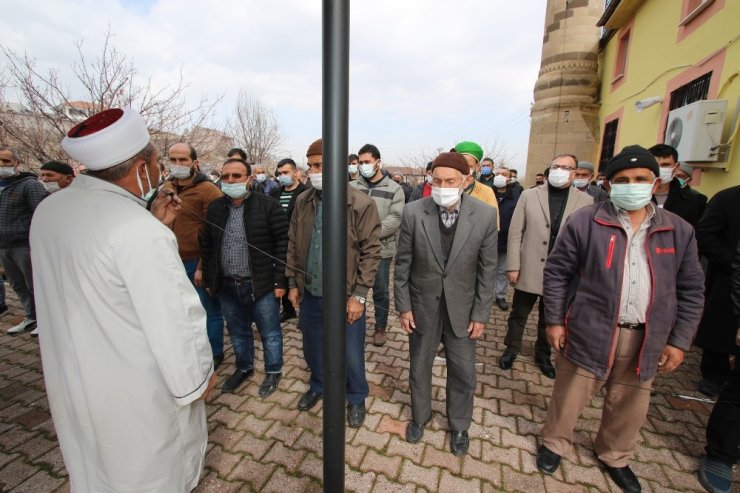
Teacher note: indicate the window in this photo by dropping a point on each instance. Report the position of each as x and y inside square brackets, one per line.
[608, 141]
[620, 66]
[693, 91]
[691, 10]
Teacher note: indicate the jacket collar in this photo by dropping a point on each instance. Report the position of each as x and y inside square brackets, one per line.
[607, 213]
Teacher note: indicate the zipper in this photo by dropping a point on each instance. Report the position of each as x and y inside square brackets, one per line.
[610, 254]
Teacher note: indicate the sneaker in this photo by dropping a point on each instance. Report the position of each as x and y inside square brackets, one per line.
[35, 332]
[502, 304]
[23, 326]
[715, 476]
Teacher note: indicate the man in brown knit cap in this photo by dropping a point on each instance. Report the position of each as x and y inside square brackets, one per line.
[305, 283]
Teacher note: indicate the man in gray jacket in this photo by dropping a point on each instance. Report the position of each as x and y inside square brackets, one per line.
[444, 287]
[389, 199]
[624, 293]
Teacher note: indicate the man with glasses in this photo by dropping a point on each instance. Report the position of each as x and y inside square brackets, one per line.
[534, 228]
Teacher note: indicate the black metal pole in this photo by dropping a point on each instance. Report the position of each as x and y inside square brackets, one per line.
[335, 100]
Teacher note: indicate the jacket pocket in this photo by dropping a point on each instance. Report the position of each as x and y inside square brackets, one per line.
[610, 252]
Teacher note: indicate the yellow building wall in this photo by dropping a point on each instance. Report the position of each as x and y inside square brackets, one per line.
[655, 57]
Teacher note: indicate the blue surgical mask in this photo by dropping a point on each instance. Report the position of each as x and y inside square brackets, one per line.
[631, 196]
[485, 170]
[234, 190]
[260, 177]
[285, 180]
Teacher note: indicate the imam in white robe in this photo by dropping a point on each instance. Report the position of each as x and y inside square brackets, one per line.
[123, 342]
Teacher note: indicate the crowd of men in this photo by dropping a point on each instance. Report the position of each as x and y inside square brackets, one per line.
[132, 298]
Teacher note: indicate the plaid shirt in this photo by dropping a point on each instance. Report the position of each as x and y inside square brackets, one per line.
[234, 254]
[449, 216]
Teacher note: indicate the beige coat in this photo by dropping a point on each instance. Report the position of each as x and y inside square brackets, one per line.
[529, 234]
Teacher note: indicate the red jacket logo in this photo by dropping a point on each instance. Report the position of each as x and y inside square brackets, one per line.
[665, 251]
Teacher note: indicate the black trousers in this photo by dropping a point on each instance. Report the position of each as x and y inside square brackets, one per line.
[520, 310]
[715, 367]
[723, 428]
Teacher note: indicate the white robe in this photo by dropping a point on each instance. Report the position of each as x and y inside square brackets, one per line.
[123, 342]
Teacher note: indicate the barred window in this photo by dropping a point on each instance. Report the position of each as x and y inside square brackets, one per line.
[608, 142]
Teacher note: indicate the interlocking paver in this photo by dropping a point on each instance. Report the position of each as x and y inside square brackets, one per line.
[268, 445]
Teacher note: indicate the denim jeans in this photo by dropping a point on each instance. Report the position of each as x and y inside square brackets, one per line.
[381, 297]
[311, 322]
[17, 264]
[214, 317]
[240, 310]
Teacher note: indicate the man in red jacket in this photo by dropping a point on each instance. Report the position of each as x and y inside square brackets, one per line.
[624, 293]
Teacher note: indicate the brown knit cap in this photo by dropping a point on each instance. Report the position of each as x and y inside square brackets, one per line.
[315, 148]
[452, 160]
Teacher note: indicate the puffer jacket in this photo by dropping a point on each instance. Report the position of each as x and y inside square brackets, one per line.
[583, 284]
[389, 199]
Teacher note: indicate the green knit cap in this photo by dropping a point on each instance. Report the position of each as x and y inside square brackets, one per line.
[470, 148]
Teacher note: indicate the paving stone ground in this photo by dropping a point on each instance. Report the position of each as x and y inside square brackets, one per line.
[267, 445]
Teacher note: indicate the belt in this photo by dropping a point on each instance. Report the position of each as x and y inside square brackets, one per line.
[631, 326]
[236, 280]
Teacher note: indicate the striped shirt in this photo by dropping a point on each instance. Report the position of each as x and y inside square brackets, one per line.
[285, 197]
[636, 281]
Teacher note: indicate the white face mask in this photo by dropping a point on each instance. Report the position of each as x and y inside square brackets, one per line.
[666, 174]
[428, 179]
[559, 178]
[446, 197]
[51, 186]
[316, 180]
[7, 171]
[179, 172]
[260, 177]
[580, 182]
[352, 169]
[513, 179]
[367, 170]
[499, 181]
[148, 195]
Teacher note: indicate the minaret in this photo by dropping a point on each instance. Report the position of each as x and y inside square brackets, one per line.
[565, 114]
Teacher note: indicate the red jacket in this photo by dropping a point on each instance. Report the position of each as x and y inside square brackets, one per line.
[583, 283]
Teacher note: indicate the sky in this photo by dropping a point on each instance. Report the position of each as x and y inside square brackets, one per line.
[424, 74]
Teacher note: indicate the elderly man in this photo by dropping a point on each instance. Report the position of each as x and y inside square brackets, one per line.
[623, 297]
[21, 193]
[56, 175]
[536, 223]
[243, 245]
[389, 199]
[122, 331]
[196, 192]
[262, 182]
[582, 181]
[444, 284]
[304, 272]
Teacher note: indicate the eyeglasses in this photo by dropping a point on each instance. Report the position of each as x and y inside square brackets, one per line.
[561, 166]
[236, 176]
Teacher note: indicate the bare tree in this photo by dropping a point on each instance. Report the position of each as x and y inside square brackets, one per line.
[47, 111]
[419, 160]
[497, 151]
[256, 129]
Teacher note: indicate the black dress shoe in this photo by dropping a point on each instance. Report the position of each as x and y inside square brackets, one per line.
[355, 415]
[501, 303]
[414, 432]
[459, 442]
[547, 460]
[545, 366]
[287, 315]
[269, 384]
[709, 388]
[506, 360]
[235, 380]
[217, 360]
[624, 478]
[308, 400]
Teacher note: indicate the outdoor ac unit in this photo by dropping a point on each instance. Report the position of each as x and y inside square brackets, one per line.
[695, 130]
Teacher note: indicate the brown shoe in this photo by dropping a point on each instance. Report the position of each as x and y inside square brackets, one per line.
[379, 337]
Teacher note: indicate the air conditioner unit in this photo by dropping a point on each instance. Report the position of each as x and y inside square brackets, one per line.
[695, 130]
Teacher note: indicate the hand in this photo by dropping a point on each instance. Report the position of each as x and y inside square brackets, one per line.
[279, 292]
[475, 329]
[737, 338]
[208, 290]
[293, 297]
[407, 322]
[512, 276]
[209, 389]
[166, 206]
[355, 309]
[198, 278]
[556, 336]
[669, 359]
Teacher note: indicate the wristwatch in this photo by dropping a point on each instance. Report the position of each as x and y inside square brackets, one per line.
[359, 299]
